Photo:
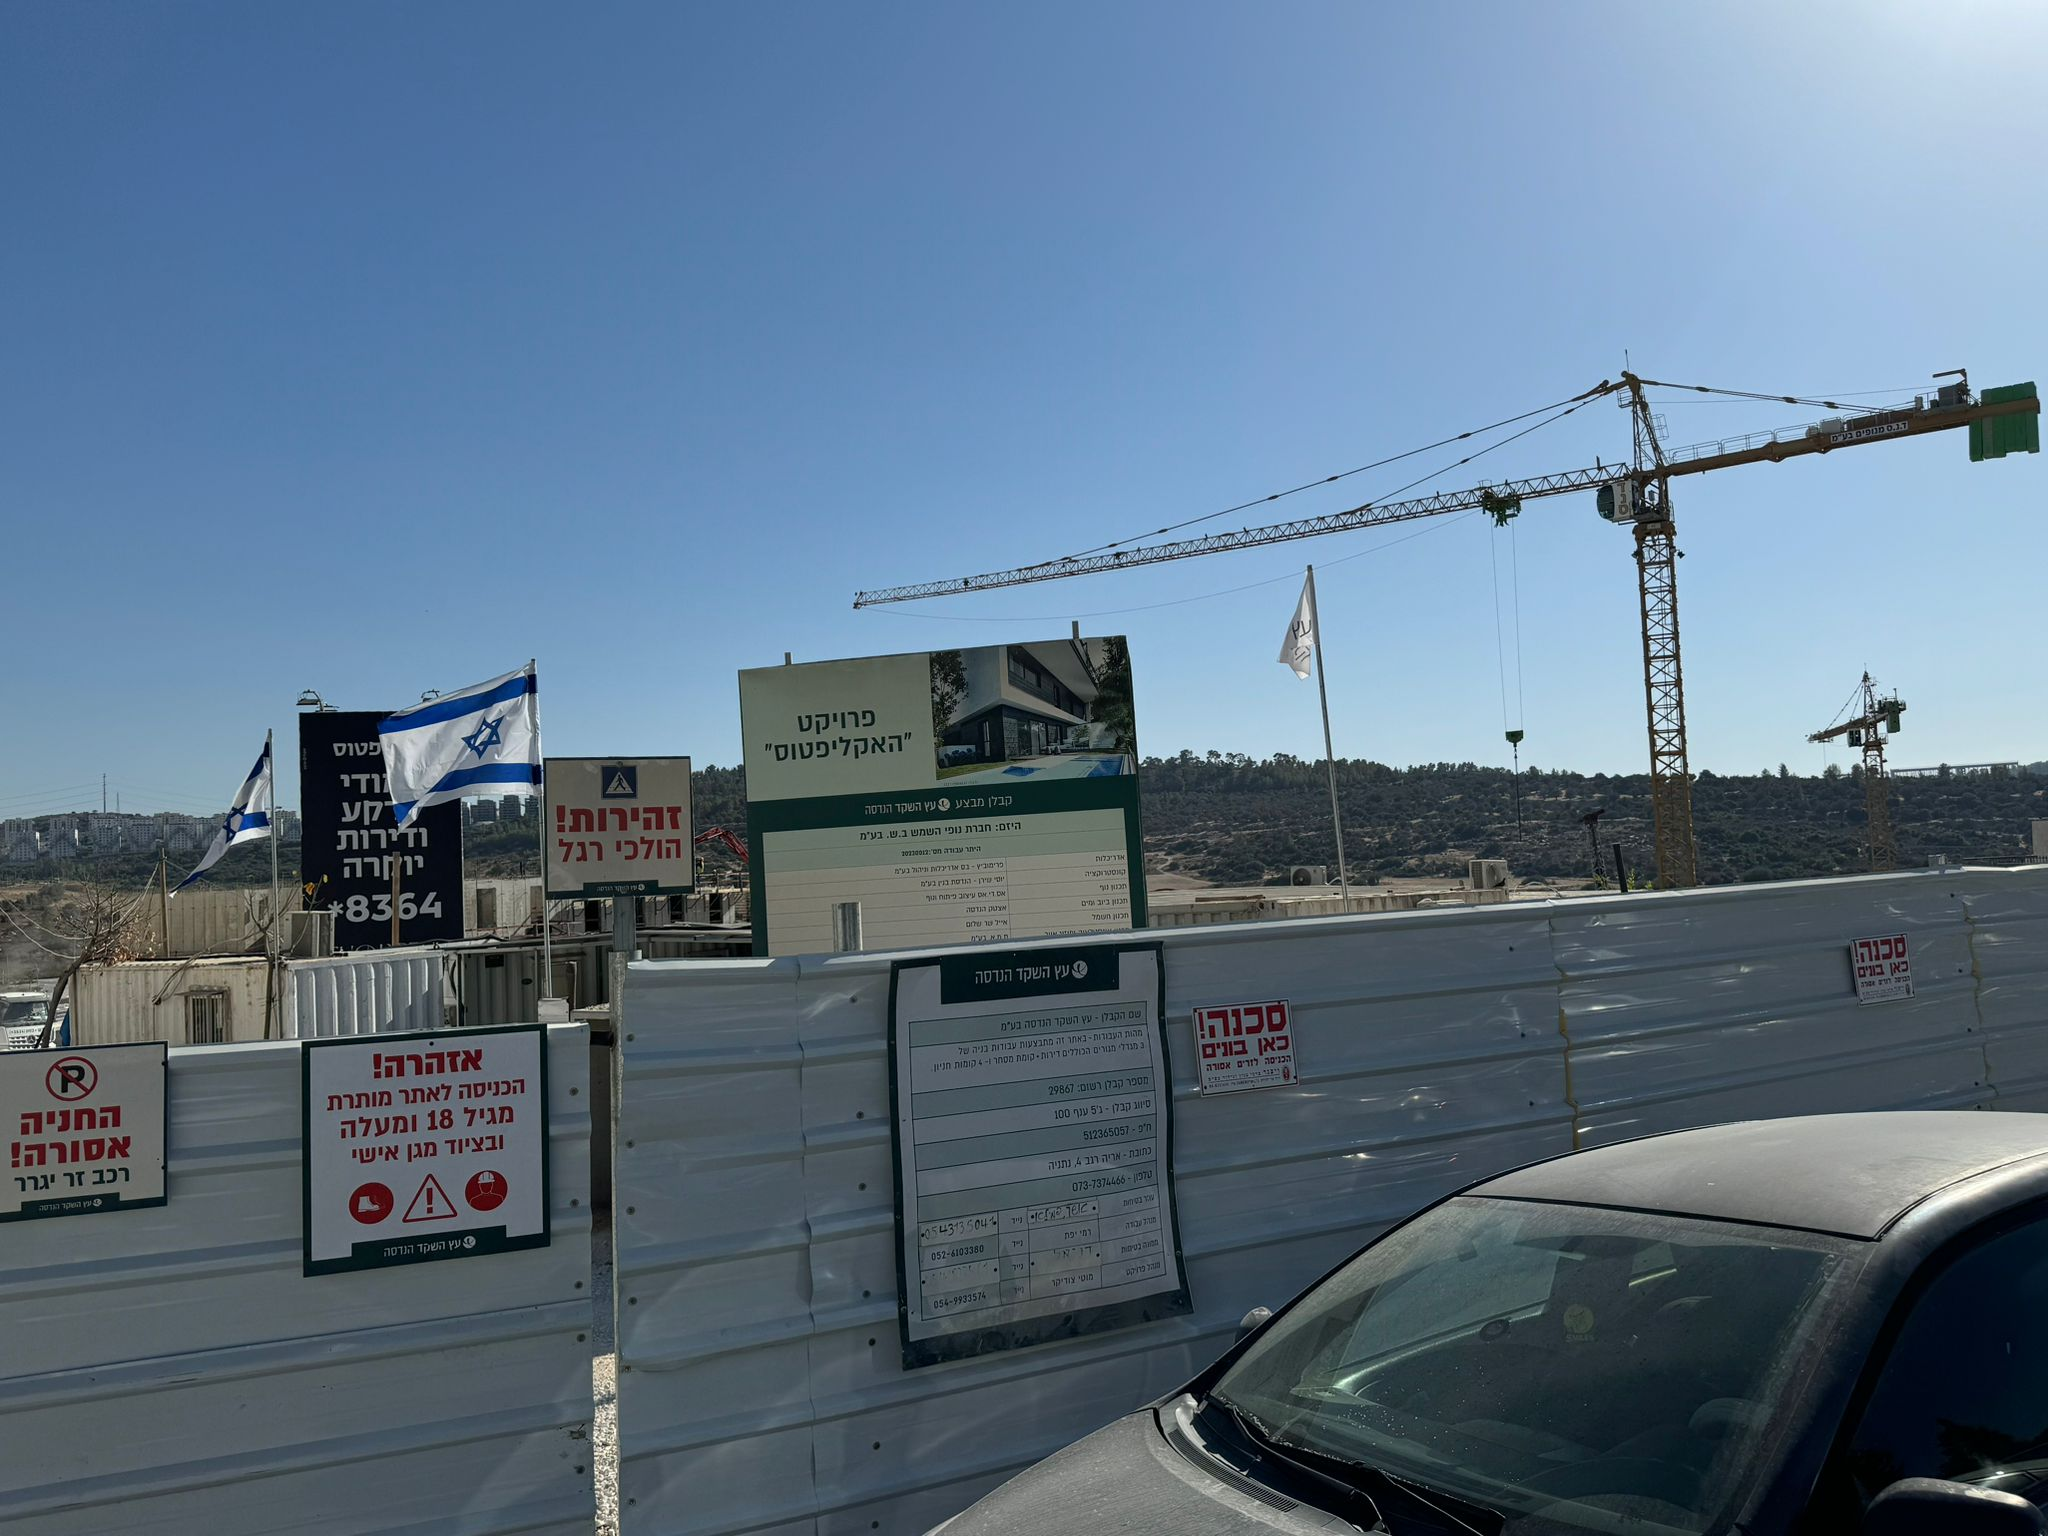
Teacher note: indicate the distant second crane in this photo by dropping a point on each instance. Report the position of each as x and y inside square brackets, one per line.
[1878, 718]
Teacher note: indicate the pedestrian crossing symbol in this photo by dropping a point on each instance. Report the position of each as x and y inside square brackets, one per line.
[621, 781]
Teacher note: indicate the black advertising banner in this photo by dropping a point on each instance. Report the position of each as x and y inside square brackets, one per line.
[349, 841]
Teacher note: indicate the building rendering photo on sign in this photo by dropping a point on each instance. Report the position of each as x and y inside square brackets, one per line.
[85, 1130]
[618, 826]
[350, 840]
[424, 1147]
[960, 797]
[1032, 1103]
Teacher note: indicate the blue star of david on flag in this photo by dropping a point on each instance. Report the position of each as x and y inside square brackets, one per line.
[484, 737]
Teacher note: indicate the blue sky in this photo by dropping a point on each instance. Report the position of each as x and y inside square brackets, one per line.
[375, 348]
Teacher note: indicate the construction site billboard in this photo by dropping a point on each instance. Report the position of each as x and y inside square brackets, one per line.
[959, 797]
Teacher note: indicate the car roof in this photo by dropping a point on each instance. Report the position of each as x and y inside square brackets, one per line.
[1853, 1175]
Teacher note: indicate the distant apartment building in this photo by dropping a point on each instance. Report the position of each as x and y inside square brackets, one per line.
[19, 842]
[104, 832]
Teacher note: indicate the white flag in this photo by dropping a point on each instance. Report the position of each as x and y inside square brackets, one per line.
[1302, 639]
[247, 819]
[480, 740]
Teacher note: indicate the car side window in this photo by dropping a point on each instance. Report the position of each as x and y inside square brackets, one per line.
[1963, 1393]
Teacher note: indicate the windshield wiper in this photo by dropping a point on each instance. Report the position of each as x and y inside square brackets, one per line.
[1346, 1471]
[1431, 1501]
[1258, 1446]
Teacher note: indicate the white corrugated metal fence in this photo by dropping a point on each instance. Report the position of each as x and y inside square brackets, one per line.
[761, 1389]
[170, 1372]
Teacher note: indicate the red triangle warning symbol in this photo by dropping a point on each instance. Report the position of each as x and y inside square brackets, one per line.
[431, 1203]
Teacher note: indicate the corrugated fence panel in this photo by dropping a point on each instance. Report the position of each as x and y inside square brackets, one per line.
[764, 1391]
[713, 1281]
[1703, 1006]
[363, 994]
[169, 1371]
[2009, 946]
[760, 1386]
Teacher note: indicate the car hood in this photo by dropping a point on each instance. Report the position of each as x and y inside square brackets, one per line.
[1128, 1480]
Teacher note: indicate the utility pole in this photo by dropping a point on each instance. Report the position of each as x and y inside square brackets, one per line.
[1591, 821]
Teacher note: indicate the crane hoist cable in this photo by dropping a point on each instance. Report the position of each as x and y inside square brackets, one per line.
[1309, 485]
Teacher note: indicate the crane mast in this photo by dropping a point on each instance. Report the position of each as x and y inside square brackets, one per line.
[1638, 495]
[1663, 671]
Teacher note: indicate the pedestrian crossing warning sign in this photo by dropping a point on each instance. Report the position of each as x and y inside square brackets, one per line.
[431, 1203]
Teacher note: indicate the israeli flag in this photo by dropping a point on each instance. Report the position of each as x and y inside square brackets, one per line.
[482, 740]
[247, 819]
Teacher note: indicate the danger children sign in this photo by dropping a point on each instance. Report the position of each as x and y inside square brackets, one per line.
[424, 1147]
[84, 1130]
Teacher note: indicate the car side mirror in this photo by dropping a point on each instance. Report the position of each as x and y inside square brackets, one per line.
[1252, 1322]
[1928, 1506]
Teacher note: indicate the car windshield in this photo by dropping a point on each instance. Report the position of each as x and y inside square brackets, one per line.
[24, 1010]
[1572, 1368]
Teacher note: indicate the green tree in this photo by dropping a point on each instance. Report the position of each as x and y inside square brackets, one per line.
[949, 687]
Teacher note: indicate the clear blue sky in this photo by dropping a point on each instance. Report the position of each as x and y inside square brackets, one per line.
[373, 348]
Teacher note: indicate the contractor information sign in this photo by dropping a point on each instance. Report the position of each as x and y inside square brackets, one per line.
[618, 826]
[1882, 967]
[960, 797]
[1033, 1148]
[85, 1130]
[423, 1147]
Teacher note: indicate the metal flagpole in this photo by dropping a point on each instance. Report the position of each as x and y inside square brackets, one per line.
[547, 937]
[275, 946]
[276, 832]
[1329, 754]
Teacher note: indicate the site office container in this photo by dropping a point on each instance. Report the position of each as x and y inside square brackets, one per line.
[226, 999]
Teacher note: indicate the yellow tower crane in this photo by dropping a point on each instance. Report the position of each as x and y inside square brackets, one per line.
[2004, 420]
[1879, 718]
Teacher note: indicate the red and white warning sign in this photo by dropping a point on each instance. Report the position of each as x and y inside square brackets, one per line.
[423, 1147]
[1244, 1045]
[1882, 968]
[84, 1130]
